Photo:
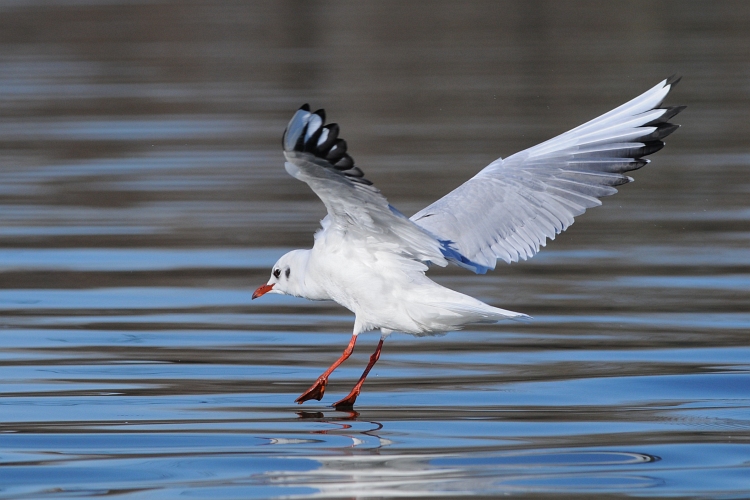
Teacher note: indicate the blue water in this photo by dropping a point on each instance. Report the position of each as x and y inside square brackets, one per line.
[143, 198]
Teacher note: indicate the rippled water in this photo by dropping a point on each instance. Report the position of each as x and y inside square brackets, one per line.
[143, 199]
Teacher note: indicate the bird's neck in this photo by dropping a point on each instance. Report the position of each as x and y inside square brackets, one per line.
[305, 285]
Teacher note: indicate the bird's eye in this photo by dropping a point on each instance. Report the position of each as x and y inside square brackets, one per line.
[276, 273]
[287, 272]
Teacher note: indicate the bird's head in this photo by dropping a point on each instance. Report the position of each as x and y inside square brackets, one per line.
[287, 275]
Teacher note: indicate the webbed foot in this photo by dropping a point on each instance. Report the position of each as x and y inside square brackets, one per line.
[348, 402]
[315, 391]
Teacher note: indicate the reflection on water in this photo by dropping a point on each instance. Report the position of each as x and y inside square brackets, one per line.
[143, 198]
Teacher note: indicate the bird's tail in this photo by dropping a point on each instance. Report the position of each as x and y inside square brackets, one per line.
[440, 309]
[472, 311]
[485, 313]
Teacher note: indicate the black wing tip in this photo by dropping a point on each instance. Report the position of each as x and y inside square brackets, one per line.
[669, 113]
[652, 142]
[673, 111]
[662, 131]
[330, 148]
[619, 181]
[649, 148]
[673, 80]
[638, 164]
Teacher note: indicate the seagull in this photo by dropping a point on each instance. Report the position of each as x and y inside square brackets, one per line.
[371, 259]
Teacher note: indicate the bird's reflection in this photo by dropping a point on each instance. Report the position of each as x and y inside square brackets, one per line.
[310, 414]
[350, 414]
[364, 465]
[341, 422]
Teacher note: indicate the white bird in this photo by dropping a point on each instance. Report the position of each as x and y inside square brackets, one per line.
[371, 259]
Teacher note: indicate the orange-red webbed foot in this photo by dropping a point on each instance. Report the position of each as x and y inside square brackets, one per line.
[315, 391]
[348, 402]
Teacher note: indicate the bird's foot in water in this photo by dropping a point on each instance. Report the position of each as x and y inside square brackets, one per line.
[315, 391]
[348, 402]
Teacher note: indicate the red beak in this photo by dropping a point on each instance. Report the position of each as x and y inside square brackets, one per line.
[262, 290]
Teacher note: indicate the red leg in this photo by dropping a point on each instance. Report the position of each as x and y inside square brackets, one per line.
[348, 402]
[319, 387]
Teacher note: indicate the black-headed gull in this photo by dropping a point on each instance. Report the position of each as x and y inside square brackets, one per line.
[372, 259]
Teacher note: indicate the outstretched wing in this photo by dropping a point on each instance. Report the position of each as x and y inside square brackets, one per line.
[316, 155]
[509, 209]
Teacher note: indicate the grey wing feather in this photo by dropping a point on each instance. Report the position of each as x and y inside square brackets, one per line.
[509, 209]
[317, 156]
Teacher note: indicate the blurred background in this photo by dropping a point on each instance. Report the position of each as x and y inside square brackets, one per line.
[143, 198]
